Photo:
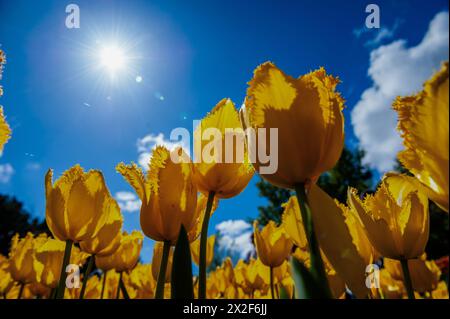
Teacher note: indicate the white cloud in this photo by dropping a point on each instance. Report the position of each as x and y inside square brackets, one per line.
[146, 144]
[235, 239]
[395, 70]
[128, 201]
[378, 35]
[6, 172]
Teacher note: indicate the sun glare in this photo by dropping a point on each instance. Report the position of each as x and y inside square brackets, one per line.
[112, 58]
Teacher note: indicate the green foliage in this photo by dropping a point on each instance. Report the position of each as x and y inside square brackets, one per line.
[15, 219]
[349, 171]
[181, 278]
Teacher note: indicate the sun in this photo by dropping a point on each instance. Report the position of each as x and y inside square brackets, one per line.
[112, 58]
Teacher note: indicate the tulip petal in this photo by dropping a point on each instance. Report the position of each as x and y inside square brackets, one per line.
[336, 242]
[424, 126]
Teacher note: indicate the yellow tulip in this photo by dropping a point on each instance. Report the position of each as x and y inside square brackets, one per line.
[273, 244]
[75, 208]
[389, 287]
[5, 131]
[168, 194]
[142, 279]
[395, 217]
[423, 122]
[308, 115]
[156, 261]
[341, 237]
[108, 237]
[6, 281]
[441, 292]
[222, 165]
[21, 257]
[227, 172]
[49, 258]
[126, 255]
[257, 275]
[195, 250]
[220, 279]
[425, 274]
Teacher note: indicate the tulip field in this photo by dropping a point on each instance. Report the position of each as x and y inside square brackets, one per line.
[369, 246]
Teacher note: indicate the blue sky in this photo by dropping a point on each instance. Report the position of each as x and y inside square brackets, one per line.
[63, 110]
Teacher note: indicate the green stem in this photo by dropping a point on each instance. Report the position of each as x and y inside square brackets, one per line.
[63, 275]
[124, 289]
[162, 271]
[53, 293]
[86, 275]
[203, 246]
[271, 283]
[118, 286]
[407, 278]
[22, 285]
[317, 268]
[103, 284]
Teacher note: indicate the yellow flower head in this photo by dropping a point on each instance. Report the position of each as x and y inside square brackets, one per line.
[126, 256]
[423, 122]
[396, 217]
[195, 250]
[49, 258]
[308, 115]
[168, 193]
[257, 275]
[425, 274]
[21, 257]
[5, 131]
[222, 165]
[272, 244]
[141, 278]
[109, 236]
[77, 204]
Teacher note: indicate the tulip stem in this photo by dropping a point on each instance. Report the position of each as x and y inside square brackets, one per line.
[22, 285]
[123, 288]
[317, 268]
[162, 271]
[203, 245]
[407, 278]
[103, 284]
[118, 286]
[271, 283]
[63, 275]
[86, 275]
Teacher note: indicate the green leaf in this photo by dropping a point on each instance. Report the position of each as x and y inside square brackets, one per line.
[283, 293]
[306, 286]
[181, 281]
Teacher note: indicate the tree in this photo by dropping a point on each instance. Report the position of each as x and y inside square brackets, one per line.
[349, 171]
[15, 219]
